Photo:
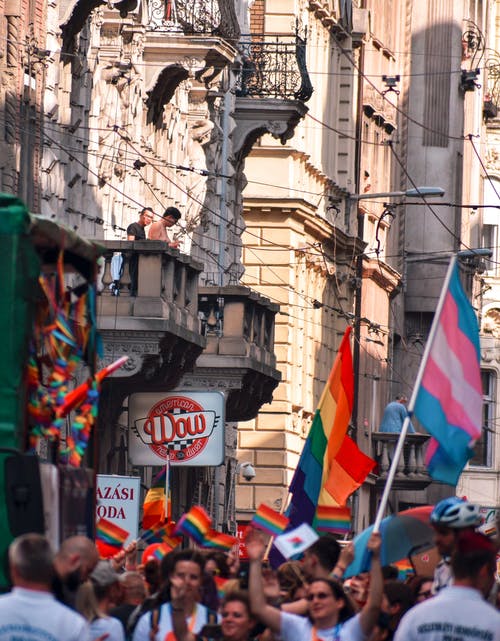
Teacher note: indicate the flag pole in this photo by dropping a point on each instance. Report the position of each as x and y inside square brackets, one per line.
[404, 430]
[167, 485]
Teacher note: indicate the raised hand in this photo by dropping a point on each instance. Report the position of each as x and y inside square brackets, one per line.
[255, 544]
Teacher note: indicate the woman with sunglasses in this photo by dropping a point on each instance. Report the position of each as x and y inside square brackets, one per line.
[330, 615]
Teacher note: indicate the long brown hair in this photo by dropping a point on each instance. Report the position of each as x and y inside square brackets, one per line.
[346, 611]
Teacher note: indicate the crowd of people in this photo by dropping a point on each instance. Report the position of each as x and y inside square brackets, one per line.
[199, 595]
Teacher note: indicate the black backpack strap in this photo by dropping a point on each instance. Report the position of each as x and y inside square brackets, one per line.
[155, 620]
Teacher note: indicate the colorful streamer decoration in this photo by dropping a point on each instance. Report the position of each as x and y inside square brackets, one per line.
[64, 339]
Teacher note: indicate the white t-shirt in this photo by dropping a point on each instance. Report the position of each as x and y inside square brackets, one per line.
[32, 615]
[457, 613]
[110, 626]
[442, 576]
[298, 628]
[143, 627]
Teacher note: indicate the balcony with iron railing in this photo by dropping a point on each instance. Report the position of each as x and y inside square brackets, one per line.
[274, 67]
[238, 324]
[411, 473]
[185, 16]
[272, 88]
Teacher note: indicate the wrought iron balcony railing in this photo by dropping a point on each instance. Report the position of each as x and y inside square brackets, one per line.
[185, 16]
[274, 68]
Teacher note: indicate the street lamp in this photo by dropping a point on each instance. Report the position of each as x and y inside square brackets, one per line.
[417, 192]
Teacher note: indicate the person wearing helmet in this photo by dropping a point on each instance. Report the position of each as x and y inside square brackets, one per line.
[448, 518]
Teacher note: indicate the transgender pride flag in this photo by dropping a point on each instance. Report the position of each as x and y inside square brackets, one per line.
[448, 390]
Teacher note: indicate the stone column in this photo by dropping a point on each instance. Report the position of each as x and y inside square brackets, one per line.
[12, 14]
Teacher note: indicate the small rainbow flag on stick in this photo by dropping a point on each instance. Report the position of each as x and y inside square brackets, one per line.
[162, 534]
[405, 569]
[269, 520]
[214, 539]
[195, 524]
[333, 519]
[111, 533]
[220, 582]
[161, 551]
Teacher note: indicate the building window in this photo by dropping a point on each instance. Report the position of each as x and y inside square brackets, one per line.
[490, 241]
[483, 453]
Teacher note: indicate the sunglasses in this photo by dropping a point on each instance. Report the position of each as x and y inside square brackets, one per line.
[318, 595]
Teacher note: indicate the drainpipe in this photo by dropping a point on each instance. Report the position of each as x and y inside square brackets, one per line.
[359, 259]
[222, 237]
[359, 268]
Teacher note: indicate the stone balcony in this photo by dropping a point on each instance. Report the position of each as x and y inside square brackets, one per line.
[238, 324]
[176, 333]
[411, 473]
[158, 329]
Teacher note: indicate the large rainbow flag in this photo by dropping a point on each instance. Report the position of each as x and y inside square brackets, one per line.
[331, 465]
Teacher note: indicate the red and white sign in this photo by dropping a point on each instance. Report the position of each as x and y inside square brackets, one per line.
[187, 426]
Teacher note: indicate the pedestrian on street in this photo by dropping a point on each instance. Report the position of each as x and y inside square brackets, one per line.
[31, 612]
[449, 518]
[459, 611]
[73, 563]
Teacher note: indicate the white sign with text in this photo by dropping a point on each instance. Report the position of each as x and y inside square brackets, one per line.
[117, 500]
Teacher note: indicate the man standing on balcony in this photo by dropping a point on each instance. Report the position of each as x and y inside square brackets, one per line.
[158, 230]
[394, 416]
[137, 231]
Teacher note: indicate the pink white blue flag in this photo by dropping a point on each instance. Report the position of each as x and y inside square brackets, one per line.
[449, 400]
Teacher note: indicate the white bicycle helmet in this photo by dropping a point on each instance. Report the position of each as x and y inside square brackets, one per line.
[455, 513]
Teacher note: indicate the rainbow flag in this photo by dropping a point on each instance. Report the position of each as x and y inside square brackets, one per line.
[269, 520]
[162, 534]
[161, 551]
[195, 524]
[405, 569]
[110, 533]
[449, 400]
[153, 509]
[331, 465]
[333, 519]
[220, 583]
[214, 539]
